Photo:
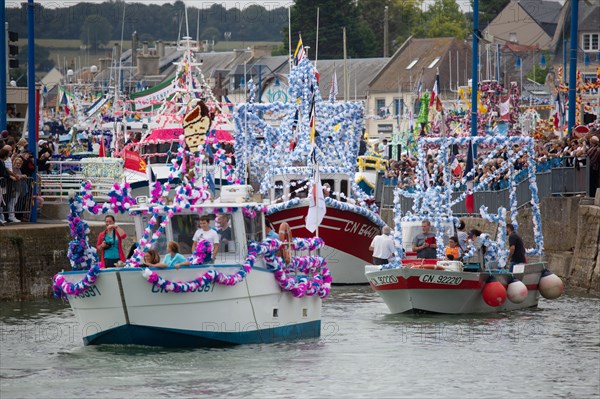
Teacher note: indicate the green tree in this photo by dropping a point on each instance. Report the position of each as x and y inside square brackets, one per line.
[402, 17]
[334, 15]
[43, 62]
[488, 10]
[443, 19]
[211, 34]
[95, 31]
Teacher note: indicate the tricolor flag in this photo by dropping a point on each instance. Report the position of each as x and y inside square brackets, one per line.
[316, 208]
[333, 90]
[436, 89]
[299, 54]
[438, 105]
[559, 115]
[469, 200]
[504, 108]
[419, 89]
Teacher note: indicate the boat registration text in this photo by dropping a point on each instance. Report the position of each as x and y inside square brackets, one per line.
[383, 280]
[437, 279]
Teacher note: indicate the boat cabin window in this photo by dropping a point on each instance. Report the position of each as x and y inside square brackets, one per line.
[160, 244]
[298, 189]
[344, 190]
[278, 189]
[331, 184]
[254, 228]
[224, 226]
[161, 148]
[183, 228]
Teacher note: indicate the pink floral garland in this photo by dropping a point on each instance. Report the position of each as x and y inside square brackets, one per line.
[316, 281]
[62, 288]
[203, 249]
[206, 278]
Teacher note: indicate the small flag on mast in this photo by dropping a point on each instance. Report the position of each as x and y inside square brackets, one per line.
[300, 53]
[436, 88]
[316, 208]
[333, 91]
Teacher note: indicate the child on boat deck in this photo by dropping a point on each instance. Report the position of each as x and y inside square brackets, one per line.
[452, 250]
[173, 259]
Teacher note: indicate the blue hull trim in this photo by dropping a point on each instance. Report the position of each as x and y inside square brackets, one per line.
[167, 337]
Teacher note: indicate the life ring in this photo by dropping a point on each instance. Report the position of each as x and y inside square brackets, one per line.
[285, 236]
[428, 266]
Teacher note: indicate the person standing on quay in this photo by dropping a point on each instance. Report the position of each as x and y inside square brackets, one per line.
[382, 247]
[516, 247]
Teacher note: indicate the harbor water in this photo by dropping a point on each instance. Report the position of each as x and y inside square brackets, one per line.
[549, 351]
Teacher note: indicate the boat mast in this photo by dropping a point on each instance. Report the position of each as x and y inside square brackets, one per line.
[317, 44]
[345, 68]
[474, 70]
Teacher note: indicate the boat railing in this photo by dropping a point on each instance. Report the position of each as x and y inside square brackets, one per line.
[67, 176]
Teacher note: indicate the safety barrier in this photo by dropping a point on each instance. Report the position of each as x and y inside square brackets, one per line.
[558, 180]
[16, 199]
[66, 177]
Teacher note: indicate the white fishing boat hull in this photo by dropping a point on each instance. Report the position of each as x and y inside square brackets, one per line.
[122, 307]
[415, 290]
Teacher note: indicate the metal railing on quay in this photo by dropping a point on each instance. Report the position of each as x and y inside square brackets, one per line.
[67, 176]
[16, 199]
[562, 177]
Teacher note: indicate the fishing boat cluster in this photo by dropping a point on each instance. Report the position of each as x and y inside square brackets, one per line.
[292, 221]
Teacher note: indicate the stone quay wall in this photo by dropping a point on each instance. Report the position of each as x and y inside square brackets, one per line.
[31, 254]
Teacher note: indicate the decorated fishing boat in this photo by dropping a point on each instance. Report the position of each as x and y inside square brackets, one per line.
[235, 289]
[302, 156]
[480, 280]
[184, 104]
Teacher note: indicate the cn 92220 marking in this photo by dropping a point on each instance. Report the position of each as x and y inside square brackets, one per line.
[438, 279]
[384, 280]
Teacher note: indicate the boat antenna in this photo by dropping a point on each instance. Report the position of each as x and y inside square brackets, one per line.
[187, 27]
[118, 80]
[317, 44]
[198, 31]
[290, 36]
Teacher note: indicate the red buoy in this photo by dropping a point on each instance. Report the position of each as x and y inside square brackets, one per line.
[494, 293]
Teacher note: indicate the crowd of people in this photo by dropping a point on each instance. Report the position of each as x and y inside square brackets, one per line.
[569, 152]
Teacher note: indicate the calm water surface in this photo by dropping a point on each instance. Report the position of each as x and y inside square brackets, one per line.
[551, 351]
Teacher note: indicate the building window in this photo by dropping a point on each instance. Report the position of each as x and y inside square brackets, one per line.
[589, 41]
[380, 106]
[434, 62]
[412, 63]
